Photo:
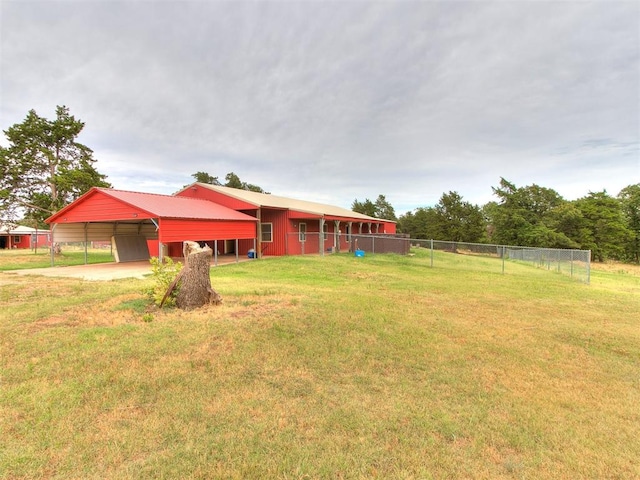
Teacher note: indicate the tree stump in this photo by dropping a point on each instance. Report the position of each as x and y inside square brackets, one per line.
[195, 287]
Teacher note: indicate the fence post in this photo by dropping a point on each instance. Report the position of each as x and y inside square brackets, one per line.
[549, 260]
[432, 253]
[571, 263]
[503, 255]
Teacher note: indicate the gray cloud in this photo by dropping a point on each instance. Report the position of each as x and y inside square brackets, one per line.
[337, 101]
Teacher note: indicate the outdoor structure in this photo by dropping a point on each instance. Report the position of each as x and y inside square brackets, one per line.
[19, 236]
[291, 227]
[140, 225]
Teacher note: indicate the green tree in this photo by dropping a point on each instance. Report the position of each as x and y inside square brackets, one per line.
[232, 181]
[366, 208]
[420, 223]
[523, 216]
[252, 188]
[630, 202]
[45, 167]
[451, 219]
[457, 220]
[603, 229]
[204, 177]
[490, 211]
[407, 224]
[381, 208]
[8, 209]
[565, 222]
[384, 209]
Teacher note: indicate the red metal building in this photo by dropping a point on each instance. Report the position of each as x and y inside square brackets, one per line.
[290, 227]
[21, 237]
[162, 222]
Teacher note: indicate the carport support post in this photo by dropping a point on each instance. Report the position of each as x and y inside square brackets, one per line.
[321, 235]
[52, 244]
[257, 249]
[215, 252]
[86, 227]
[237, 257]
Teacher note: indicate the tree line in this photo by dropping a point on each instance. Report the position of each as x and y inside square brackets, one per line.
[532, 216]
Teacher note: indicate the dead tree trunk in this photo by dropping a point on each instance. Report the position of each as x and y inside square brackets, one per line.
[195, 287]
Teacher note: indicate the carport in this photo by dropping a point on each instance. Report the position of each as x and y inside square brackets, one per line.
[139, 223]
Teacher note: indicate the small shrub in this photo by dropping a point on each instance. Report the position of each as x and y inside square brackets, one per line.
[163, 273]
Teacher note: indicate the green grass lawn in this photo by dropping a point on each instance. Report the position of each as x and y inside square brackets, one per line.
[325, 367]
[20, 259]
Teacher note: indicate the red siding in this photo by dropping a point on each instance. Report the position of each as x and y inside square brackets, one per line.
[100, 207]
[303, 215]
[24, 241]
[178, 230]
[152, 245]
[280, 221]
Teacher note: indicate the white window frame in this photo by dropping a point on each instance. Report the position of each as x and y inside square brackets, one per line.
[302, 232]
[325, 231]
[269, 225]
[17, 239]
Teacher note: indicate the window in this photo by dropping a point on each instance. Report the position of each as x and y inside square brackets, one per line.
[17, 238]
[325, 230]
[302, 232]
[267, 232]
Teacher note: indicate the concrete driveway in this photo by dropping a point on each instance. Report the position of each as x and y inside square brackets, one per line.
[96, 271]
[109, 271]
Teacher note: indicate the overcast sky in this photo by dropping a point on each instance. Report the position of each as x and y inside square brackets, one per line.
[333, 101]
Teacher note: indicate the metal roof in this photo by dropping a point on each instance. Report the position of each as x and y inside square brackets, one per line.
[274, 201]
[166, 206]
[20, 230]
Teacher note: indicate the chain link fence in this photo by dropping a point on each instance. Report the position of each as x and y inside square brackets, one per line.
[573, 263]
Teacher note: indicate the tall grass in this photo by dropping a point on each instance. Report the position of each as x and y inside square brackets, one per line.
[334, 367]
